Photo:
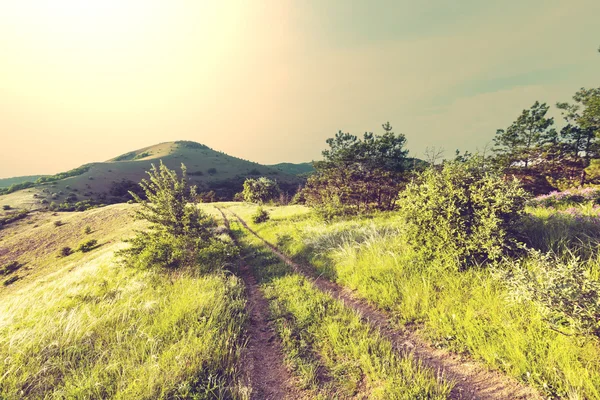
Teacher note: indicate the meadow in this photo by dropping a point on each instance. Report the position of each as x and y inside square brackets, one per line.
[475, 312]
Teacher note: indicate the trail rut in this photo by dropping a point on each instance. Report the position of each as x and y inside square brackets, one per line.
[262, 361]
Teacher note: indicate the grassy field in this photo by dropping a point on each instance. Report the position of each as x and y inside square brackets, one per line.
[83, 326]
[331, 351]
[470, 312]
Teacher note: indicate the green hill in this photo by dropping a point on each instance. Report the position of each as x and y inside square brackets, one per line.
[294, 169]
[7, 182]
[109, 182]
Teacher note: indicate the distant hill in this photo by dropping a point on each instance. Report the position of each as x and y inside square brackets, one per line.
[294, 169]
[6, 182]
[109, 182]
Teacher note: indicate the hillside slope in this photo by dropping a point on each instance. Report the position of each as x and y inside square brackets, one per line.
[110, 181]
[7, 182]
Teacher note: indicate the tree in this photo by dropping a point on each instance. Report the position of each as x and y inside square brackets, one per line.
[358, 175]
[261, 190]
[582, 130]
[519, 149]
[180, 233]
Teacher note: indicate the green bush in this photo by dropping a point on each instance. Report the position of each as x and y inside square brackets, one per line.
[180, 233]
[66, 251]
[6, 207]
[88, 245]
[462, 212]
[58, 223]
[260, 216]
[568, 298]
[260, 190]
[87, 230]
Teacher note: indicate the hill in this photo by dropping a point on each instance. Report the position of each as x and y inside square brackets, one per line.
[294, 169]
[7, 182]
[109, 182]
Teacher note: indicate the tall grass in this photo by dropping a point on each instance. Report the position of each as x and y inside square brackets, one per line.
[331, 350]
[472, 311]
[103, 331]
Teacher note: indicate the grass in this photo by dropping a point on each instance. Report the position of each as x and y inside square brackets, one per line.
[104, 331]
[84, 326]
[469, 312]
[331, 351]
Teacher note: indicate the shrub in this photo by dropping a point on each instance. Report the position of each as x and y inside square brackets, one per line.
[11, 280]
[66, 251]
[212, 171]
[260, 190]
[180, 233]
[462, 212]
[260, 216]
[6, 207]
[564, 292]
[10, 268]
[87, 230]
[58, 223]
[88, 245]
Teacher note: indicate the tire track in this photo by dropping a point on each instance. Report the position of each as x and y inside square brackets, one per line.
[262, 361]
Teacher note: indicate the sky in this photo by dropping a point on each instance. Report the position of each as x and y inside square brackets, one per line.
[271, 80]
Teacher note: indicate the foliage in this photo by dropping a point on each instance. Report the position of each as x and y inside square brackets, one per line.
[15, 187]
[358, 175]
[207, 197]
[463, 212]
[260, 190]
[12, 217]
[261, 215]
[78, 206]
[567, 197]
[58, 223]
[191, 145]
[122, 188]
[87, 230]
[544, 159]
[6, 207]
[568, 298]
[74, 172]
[180, 233]
[66, 251]
[87, 245]
[10, 268]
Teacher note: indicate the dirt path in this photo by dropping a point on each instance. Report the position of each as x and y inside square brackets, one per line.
[263, 358]
[472, 379]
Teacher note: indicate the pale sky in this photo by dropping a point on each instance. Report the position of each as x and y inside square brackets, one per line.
[269, 81]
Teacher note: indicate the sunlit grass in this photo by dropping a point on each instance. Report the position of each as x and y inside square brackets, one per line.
[472, 311]
[104, 331]
[332, 352]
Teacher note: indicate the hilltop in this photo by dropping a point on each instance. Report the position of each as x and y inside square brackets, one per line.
[109, 182]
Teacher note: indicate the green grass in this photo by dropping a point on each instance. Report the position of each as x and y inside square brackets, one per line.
[469, 312]
[331, 351]
[104, 331]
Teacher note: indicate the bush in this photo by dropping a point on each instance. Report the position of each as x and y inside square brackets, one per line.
[6, 207]
[66, 251]
[260, 216]
[87, 230]
[180, 233]
[88, 245]
[212, 171]
[564, 292]
[10, 268]
[58, 223]
[260, 190]
[463, 212]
